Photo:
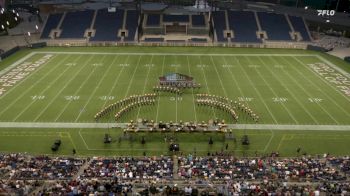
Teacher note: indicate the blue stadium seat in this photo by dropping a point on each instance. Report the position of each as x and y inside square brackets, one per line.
[75, 24]
[198, 20]
[107, 25]
[132, 21]
[52, 22]
[153, 20]
[176, 18]
[244, 26]
[275, 25]
[300, 27]
[220, 25]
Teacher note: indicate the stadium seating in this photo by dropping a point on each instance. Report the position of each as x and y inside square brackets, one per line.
[220, 25]
[198, 20]
[176, 18]
[275, 25]
[153, 20]
[132, 21]
[107, 25]
[75, 24]
[300, 26]
[52, 22]
[244, 26]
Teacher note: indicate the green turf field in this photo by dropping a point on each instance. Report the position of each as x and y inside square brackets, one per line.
[282, 86]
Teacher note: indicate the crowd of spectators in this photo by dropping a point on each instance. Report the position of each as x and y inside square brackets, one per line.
[87, 187]
[21, 166]
[22, 174]
[342, 163]
[130, 168]
[18, 187]
[230, 168]
[283, 188]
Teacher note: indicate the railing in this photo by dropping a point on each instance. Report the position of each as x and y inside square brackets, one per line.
[266, 44]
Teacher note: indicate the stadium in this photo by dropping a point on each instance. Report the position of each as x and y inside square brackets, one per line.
[187, 97]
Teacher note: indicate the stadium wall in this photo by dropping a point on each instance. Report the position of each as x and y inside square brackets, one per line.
[206, 44]
[9, 53]
[347, 59]
[316, 48]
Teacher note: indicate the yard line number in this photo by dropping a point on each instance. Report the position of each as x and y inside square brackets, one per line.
[279, 99]
[71, 98]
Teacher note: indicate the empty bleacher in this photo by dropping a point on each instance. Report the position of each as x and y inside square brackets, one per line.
[176, 18]
[75, 24]
[107, 25]
[52, 21]
[300, 26]
[198, 20]
[219, 25]
[243, 25]
[275, 25]
[153, 20]
[132, 21]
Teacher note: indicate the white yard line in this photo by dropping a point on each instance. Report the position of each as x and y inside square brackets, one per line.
[144, 86]
[76, 92]
[346, 74]
[13, 65]
[57, 94]
[132, 77]
[275, 94]
[29, 88]
[256, 90]
[44, 90]
[170, 54]
[287, 89]
[194, 101]
[306, 92]
[324, 80]
[116, 81]
[158, 95]
[270, 140]
[96, 88]
[317, 87]
[241, 92]
[176, 97]
[82, 138]
[31, 74]
[282, 127]
[217, 73]
[206, 83]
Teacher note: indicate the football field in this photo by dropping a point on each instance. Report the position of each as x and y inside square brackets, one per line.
[301, 97]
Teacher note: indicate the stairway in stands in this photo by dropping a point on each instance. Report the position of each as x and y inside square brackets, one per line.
[175, 168]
